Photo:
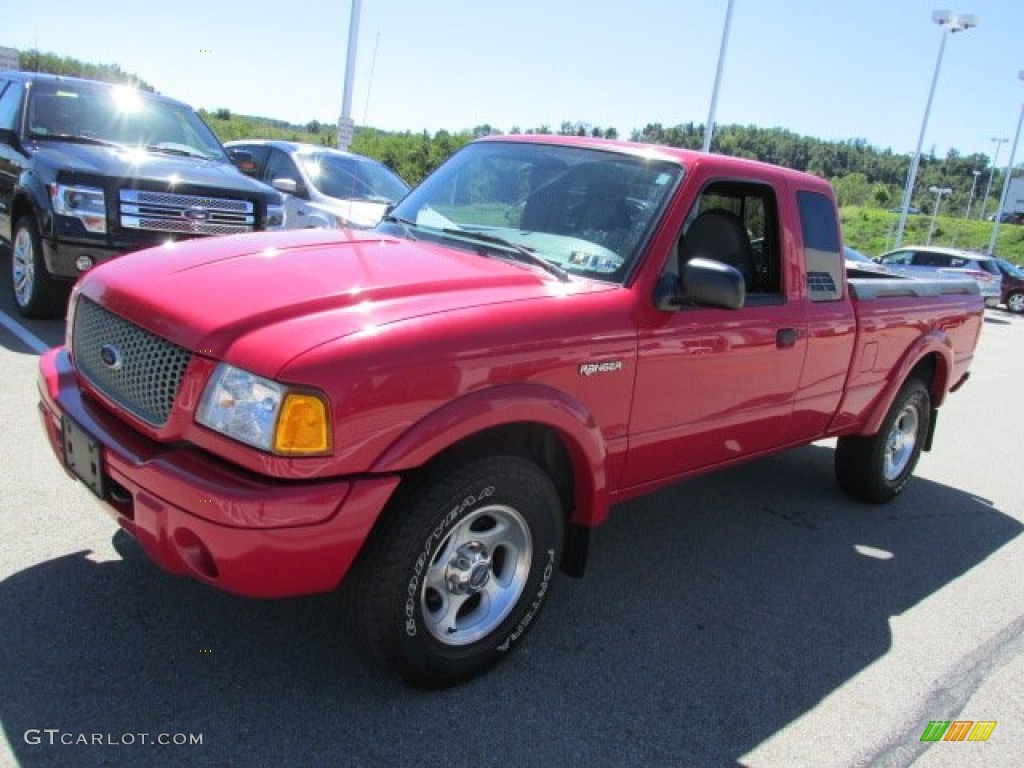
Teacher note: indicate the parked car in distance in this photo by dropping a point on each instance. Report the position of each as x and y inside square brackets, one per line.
[1012, 293]
[90, 170]
[934, 261]
[323, 187]
[858, 263]
[1007, 217]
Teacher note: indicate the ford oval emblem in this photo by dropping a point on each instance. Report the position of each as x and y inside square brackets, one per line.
[111, 357]
[196, 213]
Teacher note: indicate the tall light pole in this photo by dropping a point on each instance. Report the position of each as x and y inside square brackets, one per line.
[953, 23]
[709, 129]
[991, 173]
[970, 200]
[1006, 181]
[938, 192]
[346, 125]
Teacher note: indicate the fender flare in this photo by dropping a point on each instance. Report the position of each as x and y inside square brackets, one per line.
[30, 194]
[934, 342]
[506, 405]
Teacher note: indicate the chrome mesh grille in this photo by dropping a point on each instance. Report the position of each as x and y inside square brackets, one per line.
[136, 369]
[185, 214]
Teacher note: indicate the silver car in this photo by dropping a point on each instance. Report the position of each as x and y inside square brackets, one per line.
[322, 187]
[948, 262]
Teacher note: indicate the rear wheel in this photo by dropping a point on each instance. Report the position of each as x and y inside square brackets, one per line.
[1015, 302]
[455, 574]
[875, 468]
[36, 293]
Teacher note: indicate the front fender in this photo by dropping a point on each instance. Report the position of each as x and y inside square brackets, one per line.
[30, 195]
[936, 344]
[508, 405]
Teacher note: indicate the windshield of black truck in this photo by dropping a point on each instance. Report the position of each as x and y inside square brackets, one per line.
[587, 211]
[119, 116]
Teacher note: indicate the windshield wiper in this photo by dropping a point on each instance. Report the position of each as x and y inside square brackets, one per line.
[405, 224]
[75, 138]
[524, 254]
[175, 151]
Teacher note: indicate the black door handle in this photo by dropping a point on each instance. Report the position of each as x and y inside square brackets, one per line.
[786, 338]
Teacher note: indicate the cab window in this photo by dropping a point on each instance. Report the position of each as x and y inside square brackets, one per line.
[736, 222]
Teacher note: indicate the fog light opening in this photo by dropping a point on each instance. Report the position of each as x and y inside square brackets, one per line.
[84, 263]
[194, 554]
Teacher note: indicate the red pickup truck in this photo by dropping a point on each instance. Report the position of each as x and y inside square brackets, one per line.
[439, 411]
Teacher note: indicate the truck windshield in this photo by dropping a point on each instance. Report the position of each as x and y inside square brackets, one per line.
[587, 211]
[118, 115]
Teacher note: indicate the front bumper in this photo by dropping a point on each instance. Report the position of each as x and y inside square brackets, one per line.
[197, 516]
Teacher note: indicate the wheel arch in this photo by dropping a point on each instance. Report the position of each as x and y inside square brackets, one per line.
[931, 360]
[528, 420]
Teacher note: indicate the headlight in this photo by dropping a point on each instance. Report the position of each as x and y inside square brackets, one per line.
[86, 204]
[265, 414]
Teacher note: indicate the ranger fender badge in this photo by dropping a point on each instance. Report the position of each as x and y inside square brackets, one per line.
[589, 369]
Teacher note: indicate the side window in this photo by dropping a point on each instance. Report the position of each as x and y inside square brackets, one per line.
[259, 154]
[10, 100]
[280, 166]
[822, 255]
[737, 223]
[898, 259]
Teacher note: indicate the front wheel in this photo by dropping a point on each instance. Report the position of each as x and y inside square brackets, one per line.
[1015, 302]
[455, 574]
[875, 468]
[36, 293]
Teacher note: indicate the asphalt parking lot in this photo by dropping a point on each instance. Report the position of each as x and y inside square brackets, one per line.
[756, 617]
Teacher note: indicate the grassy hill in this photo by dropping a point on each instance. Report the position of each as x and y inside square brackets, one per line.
[873, 231]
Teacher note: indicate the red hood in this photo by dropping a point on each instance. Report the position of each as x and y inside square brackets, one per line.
[261, 299]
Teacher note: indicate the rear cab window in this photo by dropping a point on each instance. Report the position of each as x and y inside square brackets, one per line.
[822, 252]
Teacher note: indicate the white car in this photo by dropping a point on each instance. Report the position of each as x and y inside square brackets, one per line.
[322, 187]
[932, 261]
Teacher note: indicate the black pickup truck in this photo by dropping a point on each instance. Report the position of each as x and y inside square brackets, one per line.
[90, 170]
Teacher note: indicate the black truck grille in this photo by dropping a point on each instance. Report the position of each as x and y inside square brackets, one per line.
[185, 214]
[136, 369]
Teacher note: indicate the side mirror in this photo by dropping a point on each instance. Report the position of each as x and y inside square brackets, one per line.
[288, 186]
[704, 282]
[8, 136]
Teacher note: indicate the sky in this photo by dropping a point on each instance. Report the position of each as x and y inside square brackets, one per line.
[826, 69]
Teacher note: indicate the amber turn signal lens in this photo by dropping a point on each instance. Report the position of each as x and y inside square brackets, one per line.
[302, 426]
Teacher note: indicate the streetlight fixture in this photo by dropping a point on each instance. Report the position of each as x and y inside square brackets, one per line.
[988, 188]
[938, 192]
[954, 23]
[1006, 180]
[709, 129]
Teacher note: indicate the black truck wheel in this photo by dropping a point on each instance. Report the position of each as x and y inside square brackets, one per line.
[875, 468]
[36, 293]
[454, 576]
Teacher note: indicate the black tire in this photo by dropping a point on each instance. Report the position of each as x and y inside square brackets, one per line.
[876, 468]
[37, 294]
[1015, 302]
[454, 575]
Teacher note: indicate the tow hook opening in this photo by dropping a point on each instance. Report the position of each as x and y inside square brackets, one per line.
[195, 555]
